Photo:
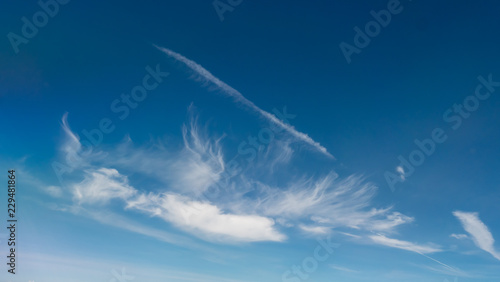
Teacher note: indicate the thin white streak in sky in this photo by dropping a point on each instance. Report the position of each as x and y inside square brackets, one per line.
[230, 91]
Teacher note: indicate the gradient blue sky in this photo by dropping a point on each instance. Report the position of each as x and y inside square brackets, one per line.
[142, 199]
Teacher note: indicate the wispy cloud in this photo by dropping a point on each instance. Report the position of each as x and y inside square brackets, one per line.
[459, 236]
[446, 270]
[481, 235]
[344, 269]
[54, 191]
[199, 218]
[350, 235]
[401, 172]
[329, 201]
[245, 209]
[404, 245]
[207, 220]
[319, 230]
[420, 249]
[189, 171]
[230, 91]
[102, 185]
[112, 219]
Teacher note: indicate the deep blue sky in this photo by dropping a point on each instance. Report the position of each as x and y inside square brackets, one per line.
[125, 204]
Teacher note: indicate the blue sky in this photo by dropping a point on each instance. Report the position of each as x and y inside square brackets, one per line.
[238, 141]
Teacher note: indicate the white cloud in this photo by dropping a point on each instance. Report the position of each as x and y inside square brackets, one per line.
[341, 268]
[178, 179]
[199, 218]
[279, 153]
[102, 185]
[72, 145]
[196, 217]
[330, 202]
[405, 245]
[191, 171]
[401, 172]
[200, 164]
[481, 235]
[350, 235]
[283, 222]
[54, 191]
[459, 236]
[389, 222]
[318, 230]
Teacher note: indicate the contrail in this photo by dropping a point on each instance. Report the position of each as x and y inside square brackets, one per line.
[441, 263]
[420, 253]
[230, 91]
